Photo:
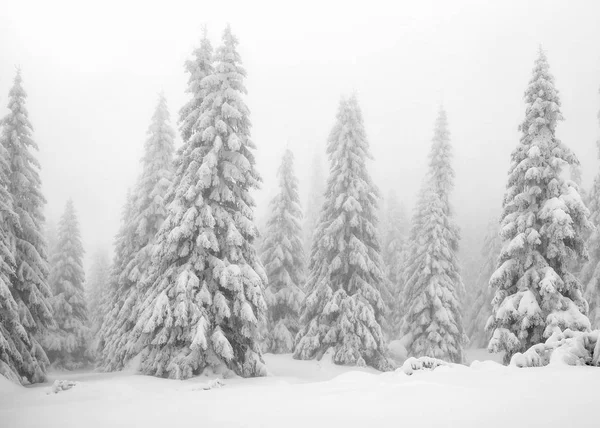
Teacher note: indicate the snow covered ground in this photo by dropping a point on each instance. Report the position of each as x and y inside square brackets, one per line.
[312, 394]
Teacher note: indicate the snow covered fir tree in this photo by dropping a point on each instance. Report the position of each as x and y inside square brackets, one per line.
[283, 258]
[344, 309]
[205, 298]
[24, 292]
[542, 228]
[432, 323]
[481, 308]
[67, 344]
[147, 212]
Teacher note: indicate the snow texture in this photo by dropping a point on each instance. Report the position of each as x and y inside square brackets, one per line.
[316, 394]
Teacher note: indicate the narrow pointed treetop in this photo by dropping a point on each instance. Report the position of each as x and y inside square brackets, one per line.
[23, 224]
[67, 344]
[205, 300]
[440, 159]
[543, 225]
[432, 320]
[283, 257]
[344, 308]
[198, 68]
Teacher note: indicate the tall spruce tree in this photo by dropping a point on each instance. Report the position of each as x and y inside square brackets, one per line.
[205, 299]
[14, 339]
[432, 321]
[542, 227]
[314, 202]
[67, 344]
[23, 228]
[481, 308]
[283, 258]
[148, 211]
[344, 309]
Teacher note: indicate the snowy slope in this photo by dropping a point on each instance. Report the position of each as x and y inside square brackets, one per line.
[308, 393]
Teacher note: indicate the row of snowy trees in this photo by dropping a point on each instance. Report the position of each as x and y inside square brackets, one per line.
[187, 290]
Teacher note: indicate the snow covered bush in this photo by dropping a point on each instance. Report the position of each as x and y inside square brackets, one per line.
[432, 323]
[542, 228]
[61, 385]
[283, 258]
[343, 310]
[413, 364]
[574, 348]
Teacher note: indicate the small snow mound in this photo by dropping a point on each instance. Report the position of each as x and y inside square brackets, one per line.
[422, 363]
[61, 385]
[573, 348]
[211, 384]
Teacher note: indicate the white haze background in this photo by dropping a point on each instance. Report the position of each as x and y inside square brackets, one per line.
[93, 71]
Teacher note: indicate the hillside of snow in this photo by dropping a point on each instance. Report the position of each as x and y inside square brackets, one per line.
[317, 394]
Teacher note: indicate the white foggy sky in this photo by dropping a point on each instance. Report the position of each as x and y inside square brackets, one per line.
[93, 71]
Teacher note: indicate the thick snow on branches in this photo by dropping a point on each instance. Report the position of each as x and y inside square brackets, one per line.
[25, 311]
[542, 228]
[204, 298]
